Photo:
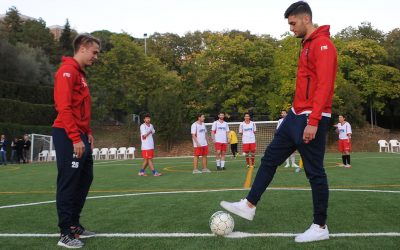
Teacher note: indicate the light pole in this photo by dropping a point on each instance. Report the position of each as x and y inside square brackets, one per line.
[145, 44]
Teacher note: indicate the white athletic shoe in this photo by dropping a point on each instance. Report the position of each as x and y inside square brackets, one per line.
[297, 170]
[314, 233]
[286, 166]
[347, 166]
[206, 170]
[295, 166]
[196, 171]
[239, 208]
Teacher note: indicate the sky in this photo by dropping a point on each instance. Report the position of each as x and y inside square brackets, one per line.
[137, 17]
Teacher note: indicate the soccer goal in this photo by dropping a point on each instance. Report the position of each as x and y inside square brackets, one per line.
[42, 148]
[264, 135]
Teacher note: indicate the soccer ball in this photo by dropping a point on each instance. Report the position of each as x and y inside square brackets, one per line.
[221, 223]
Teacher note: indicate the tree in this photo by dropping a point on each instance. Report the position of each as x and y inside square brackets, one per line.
[12, 26]
[66, 39]
[392, 46]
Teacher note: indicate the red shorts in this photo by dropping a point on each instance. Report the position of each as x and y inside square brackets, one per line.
[249, 147]
[201, 151]
[220, 146]
[148, 154]
[344, 145]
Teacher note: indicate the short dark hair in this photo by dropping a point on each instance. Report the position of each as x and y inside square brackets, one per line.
[299, 7]
[199, 115]
[83, 40]
[246, 113]
[146, 115]
[221, 112]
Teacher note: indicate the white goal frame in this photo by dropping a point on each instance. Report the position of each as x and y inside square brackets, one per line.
[264, 135]
[39, 143]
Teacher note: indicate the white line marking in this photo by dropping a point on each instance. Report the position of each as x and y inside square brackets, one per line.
[203, 191]
[185, 235]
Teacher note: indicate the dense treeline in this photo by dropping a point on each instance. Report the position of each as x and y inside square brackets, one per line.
[207, 71]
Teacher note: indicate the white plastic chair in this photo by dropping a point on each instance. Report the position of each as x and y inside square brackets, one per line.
[103, 153]
[121, 153]
[43, 156]
[112, 153]
[53, 155]
[130, 152]
[393, 145]
[383, 144]
[95, 153]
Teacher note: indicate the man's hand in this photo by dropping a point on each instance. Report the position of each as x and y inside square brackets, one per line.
[309, 133]
[91, 141]
[79, 149]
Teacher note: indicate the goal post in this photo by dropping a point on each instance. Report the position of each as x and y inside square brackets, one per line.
[264, 135]
[41, 144]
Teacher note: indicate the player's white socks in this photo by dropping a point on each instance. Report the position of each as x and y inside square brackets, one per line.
[293, 159]
[218, 163]
[222, 164]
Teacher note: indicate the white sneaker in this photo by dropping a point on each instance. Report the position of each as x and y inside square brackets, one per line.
[347, 166]
[297, 170]
[295, 166]
[206, 170]
[286, 166]
[196, 171]
[314, 233]
[239, 208]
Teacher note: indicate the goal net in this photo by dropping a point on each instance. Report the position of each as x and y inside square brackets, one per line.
[264, 135]
[42, 148]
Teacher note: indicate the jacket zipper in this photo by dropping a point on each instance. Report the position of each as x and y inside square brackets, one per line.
[308, 87]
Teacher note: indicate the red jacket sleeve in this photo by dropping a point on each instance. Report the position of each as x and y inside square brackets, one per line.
[63, 89]
[326, 64]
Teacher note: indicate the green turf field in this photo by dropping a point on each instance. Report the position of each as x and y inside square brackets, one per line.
[127, 203]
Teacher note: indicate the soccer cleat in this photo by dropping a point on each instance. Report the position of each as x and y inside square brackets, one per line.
[223, 168]
[69, 241]
[314, 233]
[82, 233]
[287, 165]
[240, 208]
[295, 165]
[297, 170]
[219, 168]
[157, 174]
[196, 171]
[205, 170]
[347, 166]
[142, 174]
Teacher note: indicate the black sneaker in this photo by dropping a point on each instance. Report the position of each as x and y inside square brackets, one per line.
[219, 168]
[69, 241]
[81, 233]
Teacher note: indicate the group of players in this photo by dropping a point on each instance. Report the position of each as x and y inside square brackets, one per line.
[222, 136]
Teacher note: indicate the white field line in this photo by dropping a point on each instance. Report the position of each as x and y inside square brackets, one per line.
[189, 235]
[201, 191]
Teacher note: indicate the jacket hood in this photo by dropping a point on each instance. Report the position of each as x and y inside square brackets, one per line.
[67, 60]
[320, 31]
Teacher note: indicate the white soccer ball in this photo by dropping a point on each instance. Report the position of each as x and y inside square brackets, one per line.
[221, 223]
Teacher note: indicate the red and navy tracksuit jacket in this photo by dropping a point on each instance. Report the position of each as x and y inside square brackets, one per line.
[316, 76]
[72, 100]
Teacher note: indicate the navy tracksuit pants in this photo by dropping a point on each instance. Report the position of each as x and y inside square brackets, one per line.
[73, 180]
[287, 139]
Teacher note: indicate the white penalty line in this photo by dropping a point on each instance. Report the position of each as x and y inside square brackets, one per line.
[191, 235]
[202, 191]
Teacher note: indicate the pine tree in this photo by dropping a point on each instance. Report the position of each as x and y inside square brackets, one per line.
[66, 40]
[12, 25]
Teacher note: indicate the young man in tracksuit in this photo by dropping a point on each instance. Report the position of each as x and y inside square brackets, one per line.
[73, 139]
[306, 124]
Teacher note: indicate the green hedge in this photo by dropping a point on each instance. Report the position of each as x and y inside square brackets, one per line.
[12, 130]
[26, 92]
[12, 111]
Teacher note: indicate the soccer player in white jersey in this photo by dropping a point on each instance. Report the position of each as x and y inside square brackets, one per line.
[146, 136]
[219, 134]
[292, 157]
[248, 128]
[343, 128]
[199, 132]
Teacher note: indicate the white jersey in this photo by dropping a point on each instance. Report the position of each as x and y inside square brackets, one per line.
[344, 130]
[147, 143]
[220, 129]
[279, 123]
[200, 131]
[247, 130]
